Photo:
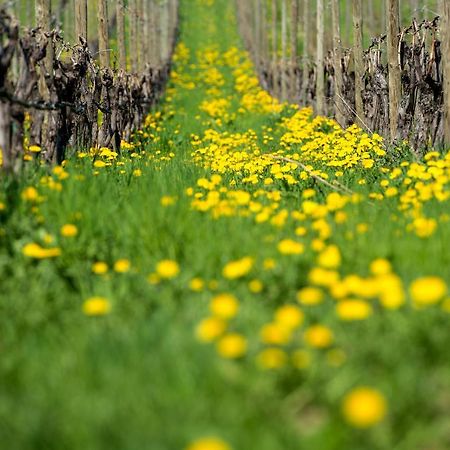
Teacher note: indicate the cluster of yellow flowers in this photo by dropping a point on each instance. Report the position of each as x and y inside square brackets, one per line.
[246, 181]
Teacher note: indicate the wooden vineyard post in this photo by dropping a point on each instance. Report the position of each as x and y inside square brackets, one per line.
[445, 14]
[320, 79]
[43, 14]
[306, 41]
[151, 32]
[121, 34]
[103, 36]
[81, 20]
[393, 28]
[133, 47]
[339, 105]
[156, 26]
[275, 48]
[284, 74]
[173, 23]
[256, 37]
[140, 35]
[359, 62]
[294, 49]
[147, 32]
[264, 33]
[165, 34]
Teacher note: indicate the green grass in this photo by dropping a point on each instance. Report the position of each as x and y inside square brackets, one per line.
[138, 378]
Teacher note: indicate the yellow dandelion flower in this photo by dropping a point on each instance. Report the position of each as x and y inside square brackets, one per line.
[224, 306]
[275, 334]
[96, 306]
[122, 266]
[364, 407]
[330, 258]
[208, 443]
[167, 269]
[353, 310]
[99, 268]
[289, 316]
[318, 336]
[271, 358]
[69, 230]
[380, 266]
[310, 296]
[210, 329]
[30, 194]
[269, 264]
[427, 290]
[290, 247]
[196, 284]
[35, 251]
[232, 346]
[255, 286]
[238, 269]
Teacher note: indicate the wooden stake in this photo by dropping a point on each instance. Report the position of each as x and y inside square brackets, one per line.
[358, 57]
[339, 107]
[121, 35]
[284, 75]
[294, 49]
[393, 28]
[103, 36]
[133, 47]
[306, 44]
[256, 37]
[320, 81]
[140, 35]
[276, 89]
[81, 30]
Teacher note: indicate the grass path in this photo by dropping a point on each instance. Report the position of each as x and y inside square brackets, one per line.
[197, 286]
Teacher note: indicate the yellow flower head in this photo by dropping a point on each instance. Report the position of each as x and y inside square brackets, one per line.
[232, 346]
[289, 316]
[196, 284]
[255, 286]
[427, 290]
[364, 407]
[238, 269]
[330, 258]
[353, 310]
[210, 329]
[35, 251]
[30, 194]
[122, 265]
[318, 336]
[100, 268]
[275, 334]
[208, 443]
[310, 296]
[167, 269]
[96, 306]
[290, 247]
[224, 306]
[272, 358]
[380, 267]
[69, 230]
